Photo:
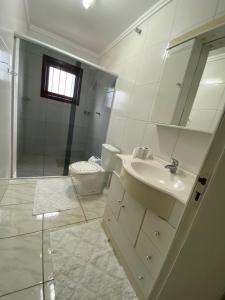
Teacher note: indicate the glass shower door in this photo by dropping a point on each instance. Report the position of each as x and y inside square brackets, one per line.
[55, 137]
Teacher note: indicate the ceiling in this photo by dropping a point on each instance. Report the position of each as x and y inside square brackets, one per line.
[94, 28]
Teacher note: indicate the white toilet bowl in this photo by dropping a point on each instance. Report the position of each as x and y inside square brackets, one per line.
[89, 177]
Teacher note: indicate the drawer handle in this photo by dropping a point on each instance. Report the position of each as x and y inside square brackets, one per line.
[109, 219]
[157, 233]
[140, 277]
[123, 206]
[119, 201]
[149, 257]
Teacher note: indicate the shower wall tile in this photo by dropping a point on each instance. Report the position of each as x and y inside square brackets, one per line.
[161, 140]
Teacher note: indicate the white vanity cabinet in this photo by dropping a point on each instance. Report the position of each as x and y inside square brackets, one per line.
[131, 217]
[159, 231]
[115, 195]
[140, 238]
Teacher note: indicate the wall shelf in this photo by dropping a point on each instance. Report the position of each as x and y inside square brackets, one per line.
[184, 128]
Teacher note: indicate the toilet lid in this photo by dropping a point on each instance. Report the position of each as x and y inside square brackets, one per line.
[84, 167]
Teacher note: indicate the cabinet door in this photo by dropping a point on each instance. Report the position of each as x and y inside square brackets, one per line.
[180, 65]
[115, 195]
[160, 231]
[131, 217]
[149, 254]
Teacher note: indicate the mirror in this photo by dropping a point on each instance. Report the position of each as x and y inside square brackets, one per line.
[209, 102]
[192, 89]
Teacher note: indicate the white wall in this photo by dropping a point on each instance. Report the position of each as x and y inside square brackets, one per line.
[139, 61]
[12, 18]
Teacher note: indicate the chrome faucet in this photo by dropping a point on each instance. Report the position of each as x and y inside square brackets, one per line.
[173, 166]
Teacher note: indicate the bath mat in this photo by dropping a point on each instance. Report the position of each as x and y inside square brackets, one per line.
[85, 266]
[54, 194]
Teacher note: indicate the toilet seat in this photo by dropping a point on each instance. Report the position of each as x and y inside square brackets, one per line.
[85, 167]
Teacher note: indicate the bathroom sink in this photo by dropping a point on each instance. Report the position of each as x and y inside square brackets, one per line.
[151, 183]
[158, 176]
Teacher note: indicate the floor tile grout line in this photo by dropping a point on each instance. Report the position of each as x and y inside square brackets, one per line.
[59, 211]
[20, 290]
[3, 205]
[61, 226]
[22, 234]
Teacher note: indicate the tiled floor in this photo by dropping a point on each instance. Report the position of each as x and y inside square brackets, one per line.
[26, 270]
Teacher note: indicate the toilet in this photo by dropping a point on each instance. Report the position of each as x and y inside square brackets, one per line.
[90, 177]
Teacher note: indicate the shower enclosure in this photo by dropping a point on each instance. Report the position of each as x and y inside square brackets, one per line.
[68, 120]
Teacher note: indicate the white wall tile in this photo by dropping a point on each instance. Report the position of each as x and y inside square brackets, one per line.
[133, 134]
[191, 13]
[116, 132]
[160, 25]
[129, 68]
[191, 149]
[151, 63]
[133, 43]
[143, 99]
[220, 7]
[161, 139]
[122, 101]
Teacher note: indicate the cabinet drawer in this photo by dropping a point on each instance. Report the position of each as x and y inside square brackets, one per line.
[160, 232]
[150, 255]
[143, 278]
[115, 195]
[131, 217]
[140, 273]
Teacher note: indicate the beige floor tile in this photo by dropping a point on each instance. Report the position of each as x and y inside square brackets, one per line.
[62, 218]
[21, 262]
[18, 193]
[32, 293]
[18, 219]
[93, 206]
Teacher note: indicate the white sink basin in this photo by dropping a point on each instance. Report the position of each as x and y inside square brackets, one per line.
[153, 184]
[158, 176]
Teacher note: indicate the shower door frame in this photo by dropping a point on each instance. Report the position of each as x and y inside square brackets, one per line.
[15, 63]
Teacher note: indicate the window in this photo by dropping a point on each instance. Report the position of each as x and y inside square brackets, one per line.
[60, 81]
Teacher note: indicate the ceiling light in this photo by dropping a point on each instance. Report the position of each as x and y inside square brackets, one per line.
[88, 3]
